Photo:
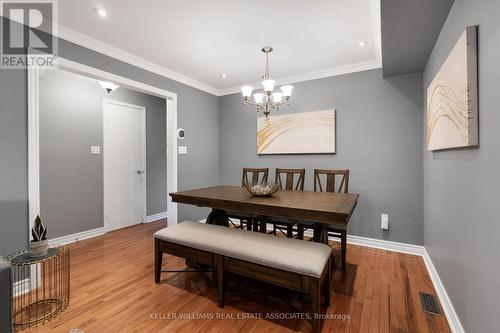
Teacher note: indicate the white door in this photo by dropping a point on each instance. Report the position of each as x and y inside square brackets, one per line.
[124, 152]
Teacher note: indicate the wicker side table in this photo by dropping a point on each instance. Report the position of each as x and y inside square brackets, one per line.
[40, 287]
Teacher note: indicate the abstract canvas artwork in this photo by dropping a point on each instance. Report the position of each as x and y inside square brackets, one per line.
[452, 111]
[298, 133]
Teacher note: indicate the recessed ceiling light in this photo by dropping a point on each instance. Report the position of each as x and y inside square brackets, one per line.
[223, 75]
[362, 43]
[101, 12]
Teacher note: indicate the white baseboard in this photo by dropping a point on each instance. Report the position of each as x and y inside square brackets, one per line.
[155, 217]
[417, 250]
[448, 309]
[446, 304]
[76, 237]
[371, 242]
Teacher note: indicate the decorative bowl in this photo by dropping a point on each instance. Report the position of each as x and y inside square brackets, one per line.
[262, 189]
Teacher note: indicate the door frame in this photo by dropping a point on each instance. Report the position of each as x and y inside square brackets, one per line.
[143, 111]
[33, 85]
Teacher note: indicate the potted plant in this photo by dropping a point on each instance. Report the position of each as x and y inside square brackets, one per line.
[39, 246]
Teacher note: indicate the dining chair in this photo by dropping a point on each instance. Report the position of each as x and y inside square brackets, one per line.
[290, 183]
[259, 175]
[334, 181]
[290, 180]
[249, 176]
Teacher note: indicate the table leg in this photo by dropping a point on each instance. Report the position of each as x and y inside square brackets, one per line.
[343, 248]
[218, 217]
[262, 224]
[320, 233]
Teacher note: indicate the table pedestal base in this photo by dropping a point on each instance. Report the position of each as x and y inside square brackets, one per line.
[218, 217]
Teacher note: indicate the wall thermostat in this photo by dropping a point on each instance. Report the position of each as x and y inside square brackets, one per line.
[181, 134]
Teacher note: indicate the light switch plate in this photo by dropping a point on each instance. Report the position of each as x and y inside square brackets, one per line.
[95, 150]
[182, 150]
[384, 221]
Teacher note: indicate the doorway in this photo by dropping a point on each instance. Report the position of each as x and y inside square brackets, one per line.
[34, 138]
[124, 146]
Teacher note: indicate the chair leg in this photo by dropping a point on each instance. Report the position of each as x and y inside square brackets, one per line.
[249, 224]
[316, 233]
[300, 231]
[289, 231]
[315, 305]
[158, 261]
[263, 226]
[256, 225]
[343, 248]
[219, 260]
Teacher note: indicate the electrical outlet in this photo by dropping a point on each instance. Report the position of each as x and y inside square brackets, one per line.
[95, 150]
[384, 221]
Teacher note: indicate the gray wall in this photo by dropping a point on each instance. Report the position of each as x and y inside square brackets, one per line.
[71, 179]
[409, 30]
[197, 114]
[379, 135]
[461, 203]
[13, 161]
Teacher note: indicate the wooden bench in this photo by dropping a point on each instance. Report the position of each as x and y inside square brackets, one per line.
[294, 264]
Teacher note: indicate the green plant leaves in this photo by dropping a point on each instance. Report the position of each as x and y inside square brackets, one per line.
[38, 232]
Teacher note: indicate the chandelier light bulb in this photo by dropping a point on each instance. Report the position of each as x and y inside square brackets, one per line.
[277, 96]
[287, 90]
[258, 98]
[268, 85]
[267, 100]
[246, 91]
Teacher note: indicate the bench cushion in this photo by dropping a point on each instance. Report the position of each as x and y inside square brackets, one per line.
[293, 255]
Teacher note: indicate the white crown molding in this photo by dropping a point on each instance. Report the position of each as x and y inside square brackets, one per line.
[111, 51]
[156, 217]
[377, 29]
[76, 237]
[446, 304]
[334, 71]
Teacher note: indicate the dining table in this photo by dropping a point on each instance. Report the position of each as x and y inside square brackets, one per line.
[322, 209]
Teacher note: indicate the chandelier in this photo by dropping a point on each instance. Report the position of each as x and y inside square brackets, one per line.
[268, 100]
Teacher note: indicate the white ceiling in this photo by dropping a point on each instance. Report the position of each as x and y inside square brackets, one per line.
[200, 39]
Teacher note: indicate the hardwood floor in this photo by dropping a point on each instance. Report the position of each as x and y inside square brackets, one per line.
[113, 290]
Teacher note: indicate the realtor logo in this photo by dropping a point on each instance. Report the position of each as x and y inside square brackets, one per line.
[28, 33]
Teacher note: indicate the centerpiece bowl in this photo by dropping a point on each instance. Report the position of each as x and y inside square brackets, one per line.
[262, 189]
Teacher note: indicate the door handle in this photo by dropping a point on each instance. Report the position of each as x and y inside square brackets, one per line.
[140, 172]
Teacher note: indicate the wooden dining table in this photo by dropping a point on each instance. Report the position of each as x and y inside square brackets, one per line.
[321, 208]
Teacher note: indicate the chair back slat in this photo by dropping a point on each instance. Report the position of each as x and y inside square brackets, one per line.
[290, 183]
[259, 175]
[330, 183]
[331, 177]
